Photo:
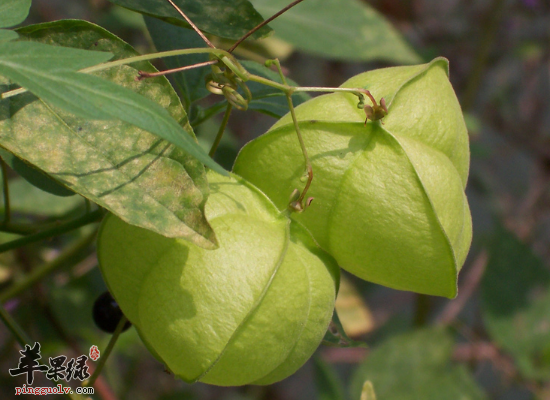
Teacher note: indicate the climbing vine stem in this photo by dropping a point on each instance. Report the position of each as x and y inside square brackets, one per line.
[6, 191]
[105, 354]
[221, 130]
[47, 268]
[16, 330]
[86, 219]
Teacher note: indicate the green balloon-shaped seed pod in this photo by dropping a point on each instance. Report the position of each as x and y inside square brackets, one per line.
[252, 311]
[389, 202]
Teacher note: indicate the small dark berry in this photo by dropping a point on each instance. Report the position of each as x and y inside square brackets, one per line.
[107, 313]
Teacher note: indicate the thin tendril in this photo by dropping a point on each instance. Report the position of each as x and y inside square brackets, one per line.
[143, 74]
[221, 130]
[261, 25]
[208, 42]
[309, 168]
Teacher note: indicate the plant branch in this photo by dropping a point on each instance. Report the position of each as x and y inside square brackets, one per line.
[223, 55]
[143, 74]
[145, 57]
[58, 230]
[199, 32]
[207, 113]
[356, 91]
[262, 24]
[221, 130]
[292, 89]
[37, 274]
[260, 79]
[6, 191]
[130, 60]
[298, 204]
[309, 168]
[16, 330]
[18, 229]
[279, 69]
[106, 352]
[29, 228]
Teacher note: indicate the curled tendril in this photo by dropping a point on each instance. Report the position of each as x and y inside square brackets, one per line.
[296, 204]
[223, 81]
[212, 86]
[235, 98]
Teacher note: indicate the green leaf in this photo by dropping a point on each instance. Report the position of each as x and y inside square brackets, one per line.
[34, 176]
[416, 365]
[6, 35]
[91, 97]
[42, 59]
[515, 296]
[13, 12]
[328, 383]
[342, 29]
[143, 179]
[221, 18]
[166, 37]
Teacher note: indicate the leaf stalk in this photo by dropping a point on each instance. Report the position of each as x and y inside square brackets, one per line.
[106, 352]
[86, 219]
[221, 130]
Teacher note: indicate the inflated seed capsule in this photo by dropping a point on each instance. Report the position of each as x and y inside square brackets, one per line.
[250, 312]
[389, 195]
